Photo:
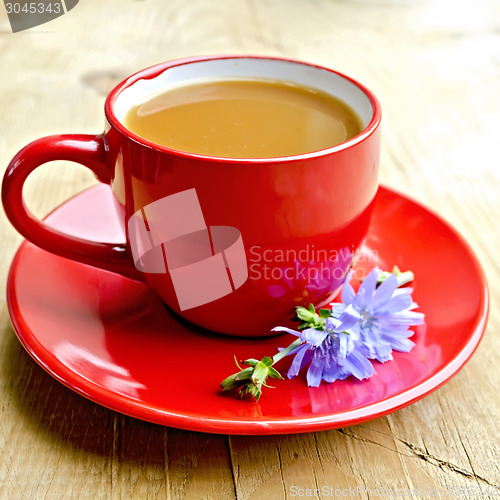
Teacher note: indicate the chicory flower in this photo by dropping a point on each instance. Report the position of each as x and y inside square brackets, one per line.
[379, 317]
[340, 342]
[333, 354]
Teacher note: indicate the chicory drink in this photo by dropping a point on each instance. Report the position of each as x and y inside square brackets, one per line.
[244, 118]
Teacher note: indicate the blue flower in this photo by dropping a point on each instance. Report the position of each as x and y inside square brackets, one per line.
[379, 318]
[340, 342]
[333, 354]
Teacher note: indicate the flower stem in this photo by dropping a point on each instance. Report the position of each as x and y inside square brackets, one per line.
[287, 350]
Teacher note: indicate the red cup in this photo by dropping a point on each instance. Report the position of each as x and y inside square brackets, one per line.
[232, 245]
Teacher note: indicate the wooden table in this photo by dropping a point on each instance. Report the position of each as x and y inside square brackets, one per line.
[435, 66]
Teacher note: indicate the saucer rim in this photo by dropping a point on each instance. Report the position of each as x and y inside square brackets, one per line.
[250, 426]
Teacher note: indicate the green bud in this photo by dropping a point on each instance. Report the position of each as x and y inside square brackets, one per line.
[267, 360]
[236, 380]
[403, 277]
[230, 384]
[243, 374]
[250, 380]
[260, 373]
[273, 373]
[250, 361]
[311, 319]
[325, 313]
[305, 314]
[249, 391]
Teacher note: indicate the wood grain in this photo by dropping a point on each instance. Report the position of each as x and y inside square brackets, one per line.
[435, 66]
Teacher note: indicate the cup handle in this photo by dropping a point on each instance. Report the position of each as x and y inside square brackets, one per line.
[88, 150]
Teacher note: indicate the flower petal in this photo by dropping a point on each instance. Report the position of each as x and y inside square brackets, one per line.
[315, 371]
[382, 352]
[401, 344]
[284, 329]
[396, 304]
[367, 288]
[331, 370]
[404, 319]
[385, 291]
[310, 335]
[299, 361]
[331, 373]
[342, 348]
[347, 290]
[314, 337]
[359, 365]
[348, 318]
[337, 309]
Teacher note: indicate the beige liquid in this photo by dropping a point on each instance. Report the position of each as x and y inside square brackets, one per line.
[244, 119]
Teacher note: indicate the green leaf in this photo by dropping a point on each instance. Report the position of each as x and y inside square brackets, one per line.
[273, 373]
[236, 362]
[268, 361]
[250, 390]
[243, 374]
[325, 313]
[230, 384]
[303, 313]
[260, 373]
[250, 361]
[269, 386]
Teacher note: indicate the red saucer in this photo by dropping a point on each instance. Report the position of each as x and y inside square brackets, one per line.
[111, 340]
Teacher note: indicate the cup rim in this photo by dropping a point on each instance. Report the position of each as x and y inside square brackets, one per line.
[155, 70]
